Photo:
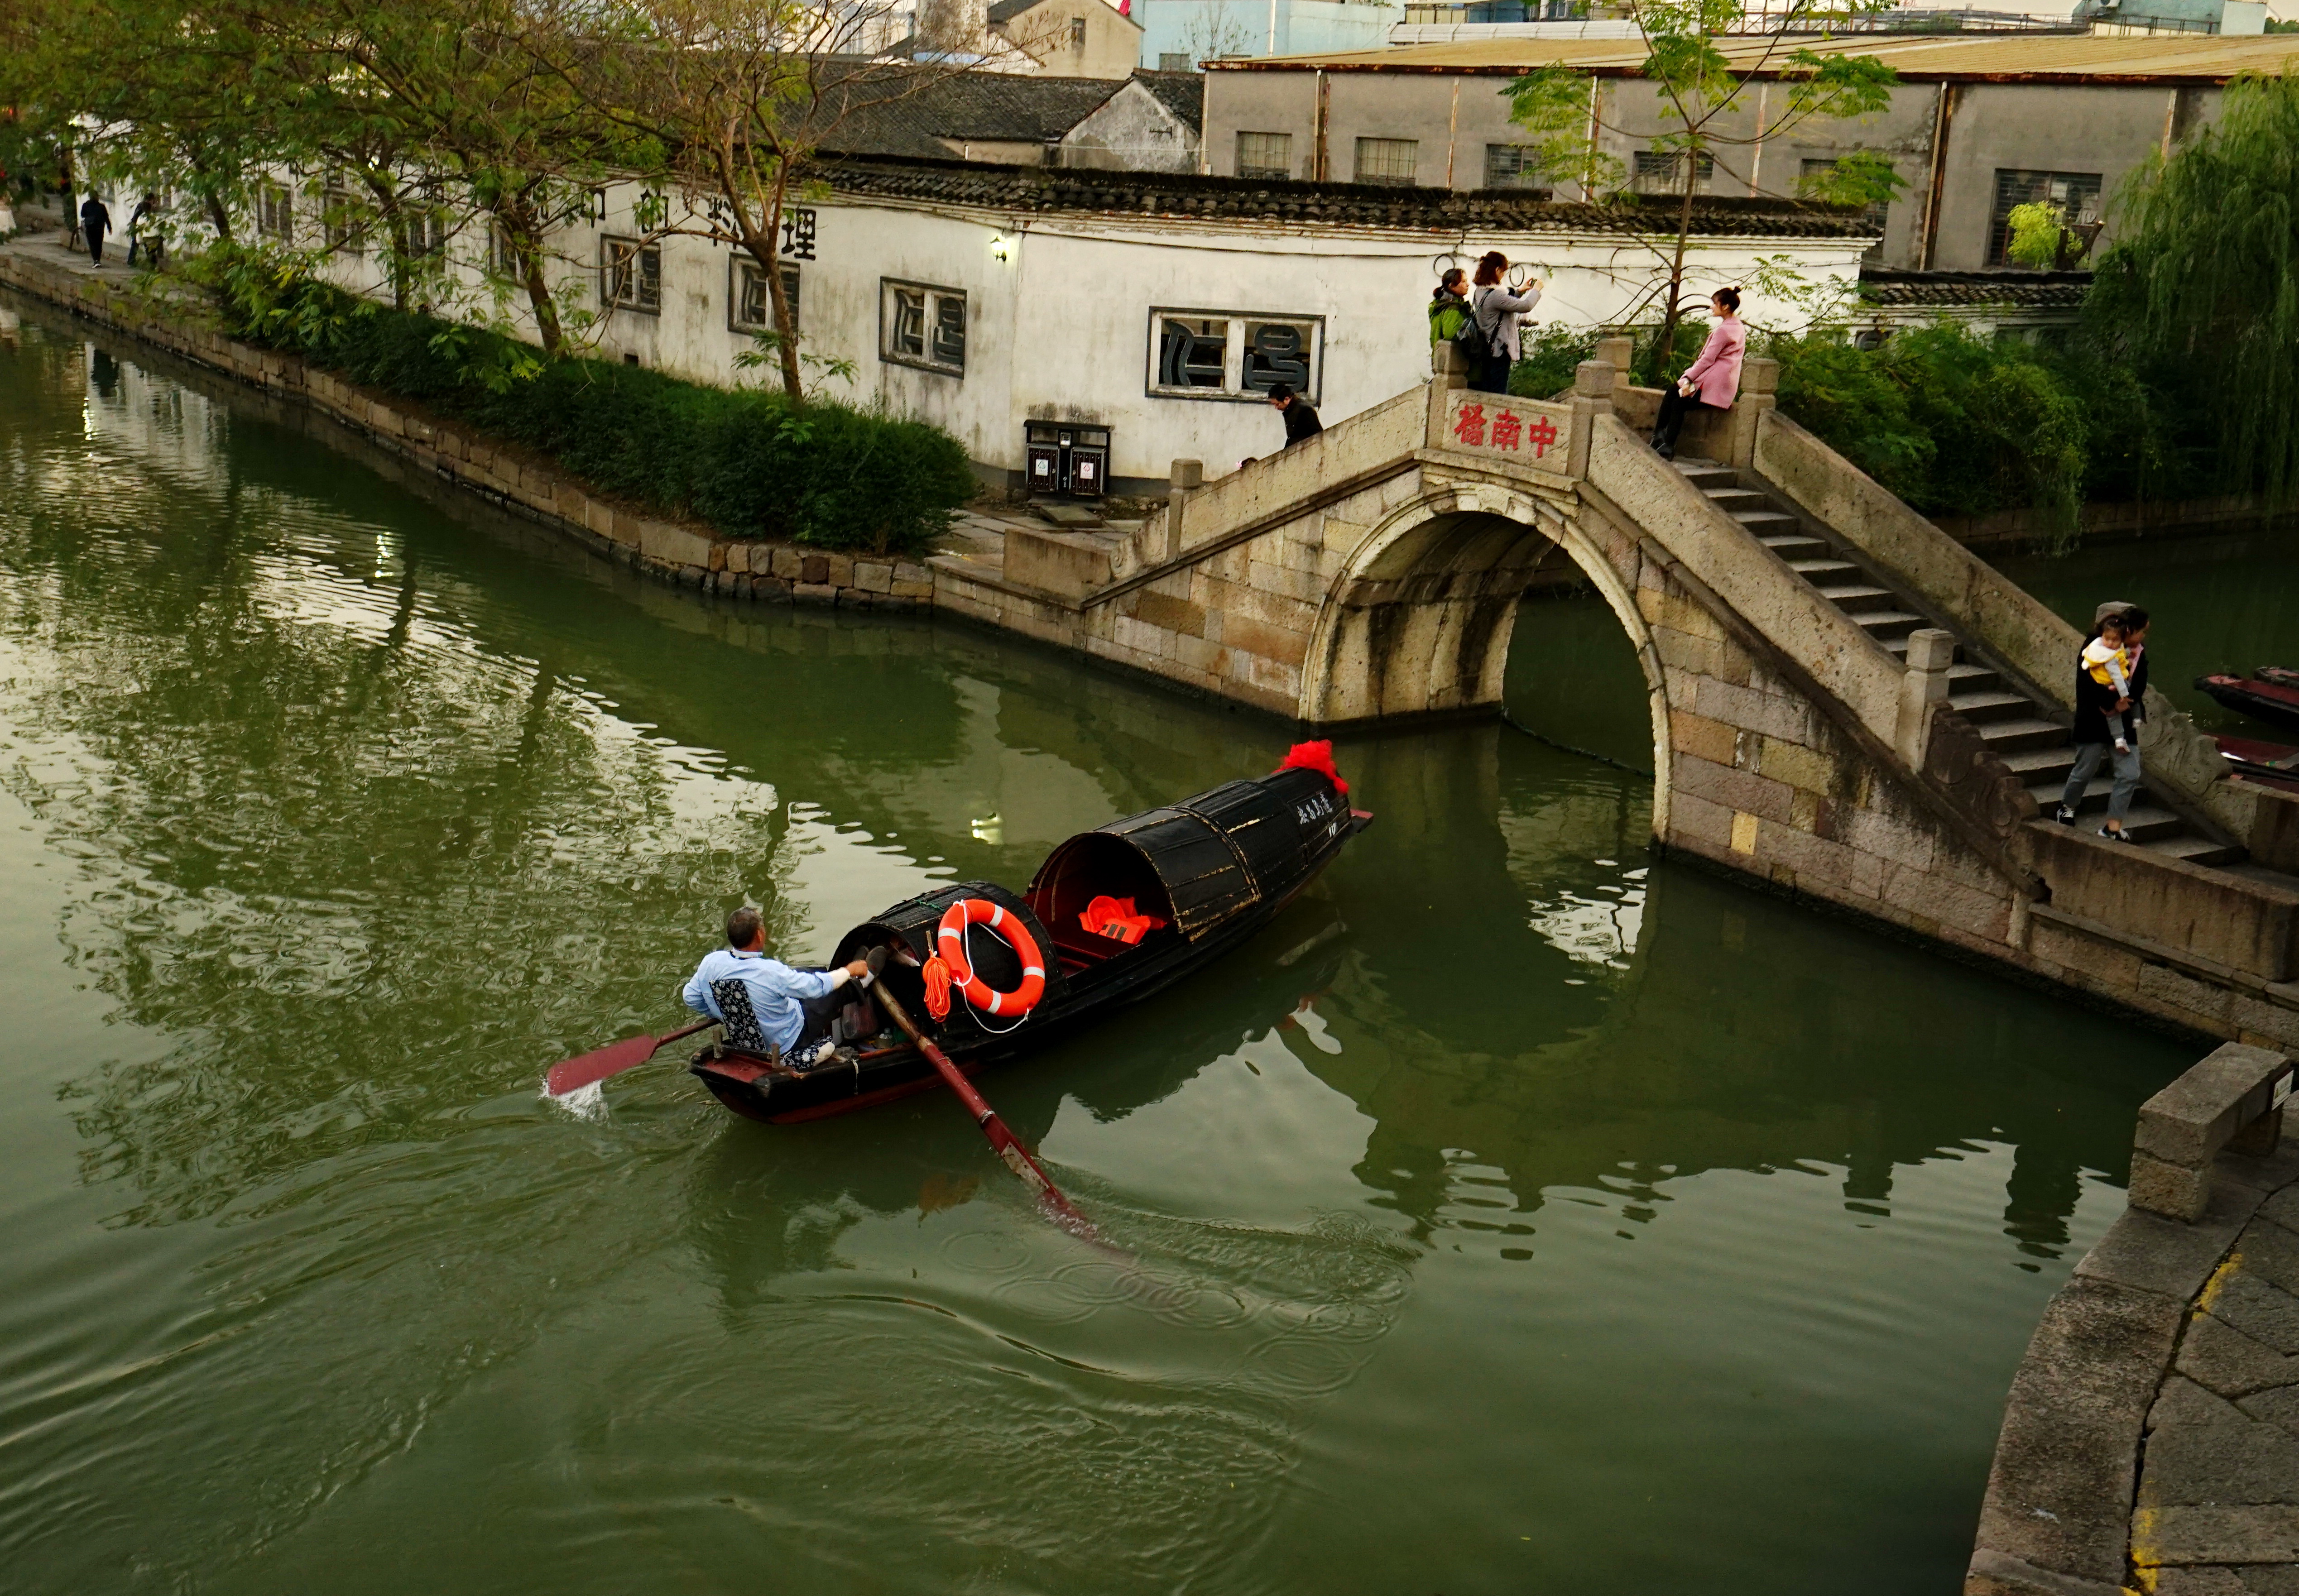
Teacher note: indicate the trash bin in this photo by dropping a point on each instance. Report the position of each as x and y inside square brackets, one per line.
[1068, 460]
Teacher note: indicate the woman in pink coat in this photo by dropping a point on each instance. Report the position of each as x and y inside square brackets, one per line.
[1710, 383]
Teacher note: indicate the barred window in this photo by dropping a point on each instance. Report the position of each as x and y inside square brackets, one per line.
[2075, 193]
[923, 326]
[1662, 171]
[1387, 159]
[1264, 155]
[1512, 166]
[750, 309]
[1167, 62]
[630, 275]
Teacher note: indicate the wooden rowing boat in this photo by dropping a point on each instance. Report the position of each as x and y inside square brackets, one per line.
[1214, 869]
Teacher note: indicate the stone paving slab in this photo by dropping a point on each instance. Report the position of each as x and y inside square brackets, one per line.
[2222, 1359]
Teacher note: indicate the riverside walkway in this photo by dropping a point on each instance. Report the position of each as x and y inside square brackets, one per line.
[1846, 704]
[2151, 1441]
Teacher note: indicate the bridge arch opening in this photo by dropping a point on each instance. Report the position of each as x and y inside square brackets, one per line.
[1422, 615]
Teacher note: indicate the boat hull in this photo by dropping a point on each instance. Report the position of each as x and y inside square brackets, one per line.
[2273, 702]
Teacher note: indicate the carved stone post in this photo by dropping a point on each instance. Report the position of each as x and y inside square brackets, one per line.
[1449, 375]
[1930, 652]
[1592, 396]
[1620, 354]
[1760, 383]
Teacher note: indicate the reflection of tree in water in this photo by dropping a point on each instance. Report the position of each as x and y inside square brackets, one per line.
[1708, 1046]
[357, 866]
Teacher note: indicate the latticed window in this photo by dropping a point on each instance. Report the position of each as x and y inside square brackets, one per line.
[923, 326]
[275, 212]
[2077, 194]
[345, 219]
[1264, 155]
[630, 275]
[1387, 159]
[1233, 355]
[1662, 171]
[753, 311]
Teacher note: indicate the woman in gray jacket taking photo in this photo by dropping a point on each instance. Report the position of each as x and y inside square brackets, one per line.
[1500, 315]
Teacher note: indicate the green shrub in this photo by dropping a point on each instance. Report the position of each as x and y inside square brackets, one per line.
[1545, 363]
[746, 461]
[1953, 423]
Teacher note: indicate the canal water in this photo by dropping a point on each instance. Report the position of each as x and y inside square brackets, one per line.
[1520, 1212]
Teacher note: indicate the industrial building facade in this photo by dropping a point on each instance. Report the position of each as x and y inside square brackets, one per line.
[1980, 123]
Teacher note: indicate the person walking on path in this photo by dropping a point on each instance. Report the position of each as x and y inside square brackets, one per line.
[95, 222]
[143, 233]
[1710, 383]
[1448, 308]
[2109, 693]
[1499, 316]
[1301, 423]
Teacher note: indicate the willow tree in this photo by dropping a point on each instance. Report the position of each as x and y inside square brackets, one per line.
[1727, 79]
[2202, 283]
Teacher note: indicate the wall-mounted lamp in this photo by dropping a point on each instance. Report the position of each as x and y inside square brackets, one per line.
[1001, 248]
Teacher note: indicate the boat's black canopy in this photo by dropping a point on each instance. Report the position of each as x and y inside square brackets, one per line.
[1198, 862]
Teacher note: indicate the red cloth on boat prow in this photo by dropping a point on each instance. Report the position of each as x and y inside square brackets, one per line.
[1317, 757]
[1114, 917]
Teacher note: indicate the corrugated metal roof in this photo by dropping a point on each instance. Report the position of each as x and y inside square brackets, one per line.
[2051, 57]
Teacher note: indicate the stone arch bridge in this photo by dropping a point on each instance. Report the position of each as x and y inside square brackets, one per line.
[1846, 703]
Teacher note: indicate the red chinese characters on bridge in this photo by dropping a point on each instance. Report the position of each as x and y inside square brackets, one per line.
[1506, 430]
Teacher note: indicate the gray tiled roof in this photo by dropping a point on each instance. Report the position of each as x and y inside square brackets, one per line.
[883, 119]
[1336, 204]
[1181, 93]
[2028, 290]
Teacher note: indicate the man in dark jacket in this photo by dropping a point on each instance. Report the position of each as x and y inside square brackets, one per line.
[1300, 418]
[95, 222]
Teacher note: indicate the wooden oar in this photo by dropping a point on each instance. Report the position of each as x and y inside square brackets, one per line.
[573, 1074]
[1004, 1142]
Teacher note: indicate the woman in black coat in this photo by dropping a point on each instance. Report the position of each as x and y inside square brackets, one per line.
[2102, 720]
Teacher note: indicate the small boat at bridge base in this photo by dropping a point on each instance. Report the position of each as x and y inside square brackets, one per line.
[1200, 878]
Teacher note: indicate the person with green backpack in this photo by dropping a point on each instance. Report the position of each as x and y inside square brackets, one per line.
[1448, 308]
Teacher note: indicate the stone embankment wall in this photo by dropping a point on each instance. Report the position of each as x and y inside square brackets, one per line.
[2151, 1438]
[689, 555]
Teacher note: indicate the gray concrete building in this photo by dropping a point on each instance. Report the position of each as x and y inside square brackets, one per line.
[1980, 123]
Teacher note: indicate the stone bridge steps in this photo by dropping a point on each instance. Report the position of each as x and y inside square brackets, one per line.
[2020, 729]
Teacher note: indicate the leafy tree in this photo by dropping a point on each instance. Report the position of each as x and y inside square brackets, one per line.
[1704, 58]
[452, 88]
[722, 103]
[2201, 287]
[2042, 237]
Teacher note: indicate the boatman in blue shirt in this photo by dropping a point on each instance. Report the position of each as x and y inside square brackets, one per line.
[764, 1005]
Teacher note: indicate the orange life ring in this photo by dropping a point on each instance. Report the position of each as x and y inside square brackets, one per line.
[950, 946]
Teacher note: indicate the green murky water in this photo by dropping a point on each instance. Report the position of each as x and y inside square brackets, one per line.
[1562, 1219]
